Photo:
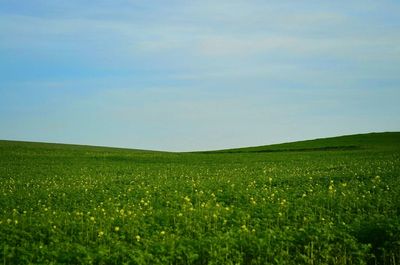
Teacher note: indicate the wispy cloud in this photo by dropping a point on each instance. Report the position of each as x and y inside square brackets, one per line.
[202, 71]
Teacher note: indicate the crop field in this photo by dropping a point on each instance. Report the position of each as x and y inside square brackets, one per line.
[327, 201]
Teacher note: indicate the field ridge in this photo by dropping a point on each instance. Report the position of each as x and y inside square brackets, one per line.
[344, 142]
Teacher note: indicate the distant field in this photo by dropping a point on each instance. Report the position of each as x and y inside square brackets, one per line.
[326, 201]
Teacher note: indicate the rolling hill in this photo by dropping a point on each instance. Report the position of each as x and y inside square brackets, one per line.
[324, 201]
[385, 140]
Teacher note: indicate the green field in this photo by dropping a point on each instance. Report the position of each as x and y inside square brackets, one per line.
[327, 201]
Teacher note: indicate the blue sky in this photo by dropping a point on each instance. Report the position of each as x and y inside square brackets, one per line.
[196, 75]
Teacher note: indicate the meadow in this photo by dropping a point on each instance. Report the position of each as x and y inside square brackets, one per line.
[327, 201]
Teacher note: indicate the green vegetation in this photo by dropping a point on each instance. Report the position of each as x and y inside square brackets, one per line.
[328, 201]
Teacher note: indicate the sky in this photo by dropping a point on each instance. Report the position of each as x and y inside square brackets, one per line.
[185, 75]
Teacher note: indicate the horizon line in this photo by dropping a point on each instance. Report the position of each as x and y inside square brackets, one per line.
[193, 151]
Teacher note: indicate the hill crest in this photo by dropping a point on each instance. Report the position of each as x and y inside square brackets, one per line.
[384, 140]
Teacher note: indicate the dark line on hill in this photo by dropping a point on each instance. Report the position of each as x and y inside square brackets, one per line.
[313, 149]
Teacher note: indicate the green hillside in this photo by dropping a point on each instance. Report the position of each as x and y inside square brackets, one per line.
[325, 201]
[386, 140]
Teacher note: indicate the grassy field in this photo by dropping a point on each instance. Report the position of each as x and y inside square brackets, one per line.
[327, 201]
